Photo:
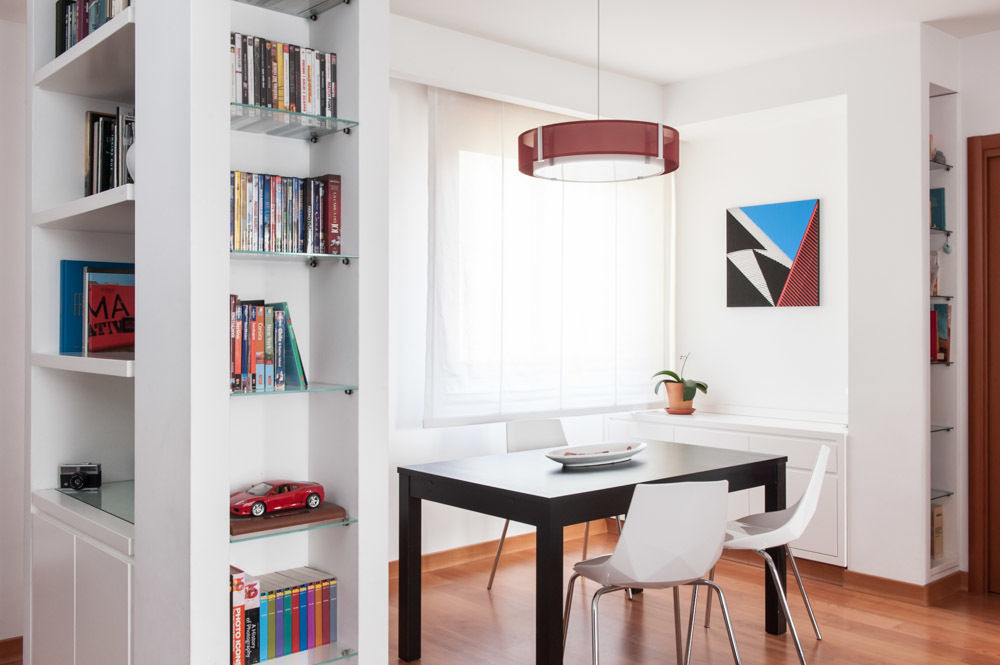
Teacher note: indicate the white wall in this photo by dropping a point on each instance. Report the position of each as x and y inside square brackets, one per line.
[12, 253]
[980, 84]
[887, 372]
[764, 360]
[425, 54]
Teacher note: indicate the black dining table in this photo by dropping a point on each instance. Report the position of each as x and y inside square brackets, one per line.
[529, 488]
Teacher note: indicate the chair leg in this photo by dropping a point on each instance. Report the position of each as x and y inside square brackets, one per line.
[618, 523]
[694, 609]
[496, 559]
[595, 645]
[569, 606]
[784, 603]
[708, 601]
[586, 538]
[802, 589]
[677, 626]
[725, 615]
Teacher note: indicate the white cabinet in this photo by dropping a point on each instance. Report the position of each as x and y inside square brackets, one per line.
[826, 537]
[81, 596]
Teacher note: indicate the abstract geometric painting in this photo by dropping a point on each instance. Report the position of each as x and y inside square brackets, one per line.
[772, 255]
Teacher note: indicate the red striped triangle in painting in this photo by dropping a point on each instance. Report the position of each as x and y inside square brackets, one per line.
[802, 287]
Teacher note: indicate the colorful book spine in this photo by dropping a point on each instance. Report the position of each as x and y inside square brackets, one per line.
[296, 624]
[244, 347]
[311, 618]
[269, 348]
[237, 603]
[251, 612]
[303, 618]
[279, 349]
[258, 349]
[272, 624]
[265, 627]
[279, 624]
[331, 213]
[287, 637]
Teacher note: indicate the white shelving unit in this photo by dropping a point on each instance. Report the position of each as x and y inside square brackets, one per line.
[173, 428]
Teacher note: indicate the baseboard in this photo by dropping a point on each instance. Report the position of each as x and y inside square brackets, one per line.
[810, 570]
[11, 650]
[525, 541]
[916, 594]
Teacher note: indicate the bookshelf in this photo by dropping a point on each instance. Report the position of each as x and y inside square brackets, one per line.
[170, 438]
[945, 381]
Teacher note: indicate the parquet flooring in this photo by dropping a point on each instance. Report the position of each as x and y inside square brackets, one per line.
[465, 623]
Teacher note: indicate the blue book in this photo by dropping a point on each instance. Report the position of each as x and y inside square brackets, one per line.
[71, 301]
[294, 369]
[267, 215]
[937, 209]
[263, 627]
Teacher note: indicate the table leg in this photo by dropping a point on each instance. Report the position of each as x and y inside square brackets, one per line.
[409, 572]
[548, 593]
[774, 499]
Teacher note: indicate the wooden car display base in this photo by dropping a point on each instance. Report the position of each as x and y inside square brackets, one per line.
[244, 528]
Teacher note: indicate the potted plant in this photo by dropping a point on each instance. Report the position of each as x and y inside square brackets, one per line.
[680, 391]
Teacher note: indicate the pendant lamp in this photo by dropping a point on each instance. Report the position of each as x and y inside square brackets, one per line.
[598, 150]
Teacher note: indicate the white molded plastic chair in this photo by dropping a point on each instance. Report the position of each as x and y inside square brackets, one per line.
[776, 529]
[673, 535]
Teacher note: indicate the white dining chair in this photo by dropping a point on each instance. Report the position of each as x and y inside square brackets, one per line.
[673, 535]
[777, 529]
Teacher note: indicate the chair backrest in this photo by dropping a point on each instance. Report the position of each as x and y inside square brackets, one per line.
[673, 532]
[804, 509]
[534, 435]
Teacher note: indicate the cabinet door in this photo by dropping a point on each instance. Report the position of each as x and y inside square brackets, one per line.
[739, 502]
[51, 593]
[821, 534]
[103, 607]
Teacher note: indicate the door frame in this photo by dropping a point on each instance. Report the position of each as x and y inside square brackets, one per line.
[980, 150]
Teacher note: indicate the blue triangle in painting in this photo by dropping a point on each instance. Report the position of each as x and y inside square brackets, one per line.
[784, 223]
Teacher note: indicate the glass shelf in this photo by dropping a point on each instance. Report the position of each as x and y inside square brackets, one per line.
[291, 529]
[947, 232]
[286, 124]
[116, 498]
[328, 653]
[943, 362]
[939, 297]
[312, 388]
[940, 494]
[940, 166]
[302, 8]
[309, 259]
[941, 428]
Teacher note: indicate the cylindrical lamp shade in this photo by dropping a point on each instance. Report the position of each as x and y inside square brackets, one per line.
[598, 150]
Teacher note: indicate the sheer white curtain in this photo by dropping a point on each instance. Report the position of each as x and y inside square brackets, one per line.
[543, 297]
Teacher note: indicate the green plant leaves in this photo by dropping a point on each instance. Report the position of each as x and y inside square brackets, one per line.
[691, 387]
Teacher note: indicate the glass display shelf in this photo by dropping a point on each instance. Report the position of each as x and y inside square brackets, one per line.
[947, 232]
[286, 124]
[271, 533]
[941, 428]
[947, 363]
[311, 259]
[328, 653]
[311, 388]
[302, 8]
[940, 166]
[940, 297]
[940, 494]
[116, 498]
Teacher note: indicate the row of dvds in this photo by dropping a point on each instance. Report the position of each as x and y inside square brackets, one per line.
[273, 213]
[75, 19]
[281, 613]
[109, 137]
[263, 352]
[282, 76]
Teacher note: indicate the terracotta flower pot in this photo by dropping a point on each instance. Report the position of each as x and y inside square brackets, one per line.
[675, 397]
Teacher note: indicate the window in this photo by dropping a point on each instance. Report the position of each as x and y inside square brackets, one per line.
[543, 297]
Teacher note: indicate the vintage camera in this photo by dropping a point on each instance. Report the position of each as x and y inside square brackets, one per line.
[80, 476]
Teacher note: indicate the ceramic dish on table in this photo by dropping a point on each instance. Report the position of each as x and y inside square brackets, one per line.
[594, 454]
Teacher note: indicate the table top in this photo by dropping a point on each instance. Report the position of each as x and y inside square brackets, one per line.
[531, 473]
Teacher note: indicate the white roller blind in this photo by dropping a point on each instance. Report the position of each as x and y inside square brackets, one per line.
[543, 297]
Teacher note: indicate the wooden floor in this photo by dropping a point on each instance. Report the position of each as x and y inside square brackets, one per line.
[465, 623]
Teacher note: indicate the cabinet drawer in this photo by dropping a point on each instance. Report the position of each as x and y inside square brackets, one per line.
[103, 607]
[801, 453]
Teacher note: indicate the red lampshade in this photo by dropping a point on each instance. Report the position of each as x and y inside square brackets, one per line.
[598, 150]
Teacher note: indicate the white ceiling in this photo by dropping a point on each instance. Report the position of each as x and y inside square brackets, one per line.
[12, 10]
[672, 40]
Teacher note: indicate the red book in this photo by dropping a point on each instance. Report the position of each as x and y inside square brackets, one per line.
[331, 213]
[234, 356]
[934, 336]
[295, 619]
[111, 317]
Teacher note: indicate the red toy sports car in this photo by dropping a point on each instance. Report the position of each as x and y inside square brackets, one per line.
[272, 495]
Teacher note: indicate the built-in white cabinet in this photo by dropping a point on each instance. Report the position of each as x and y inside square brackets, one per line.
[825, 539]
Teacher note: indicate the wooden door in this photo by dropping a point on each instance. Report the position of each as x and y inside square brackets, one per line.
[984, 359]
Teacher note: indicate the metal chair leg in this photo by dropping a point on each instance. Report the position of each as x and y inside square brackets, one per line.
[595, 645]
[496, 559]
[784, 603]
[618, 523]
[569, 606]
[677, 626]
[802, 589]
[586, 538]
[725, 616]
[708, 601]
[694, 609]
